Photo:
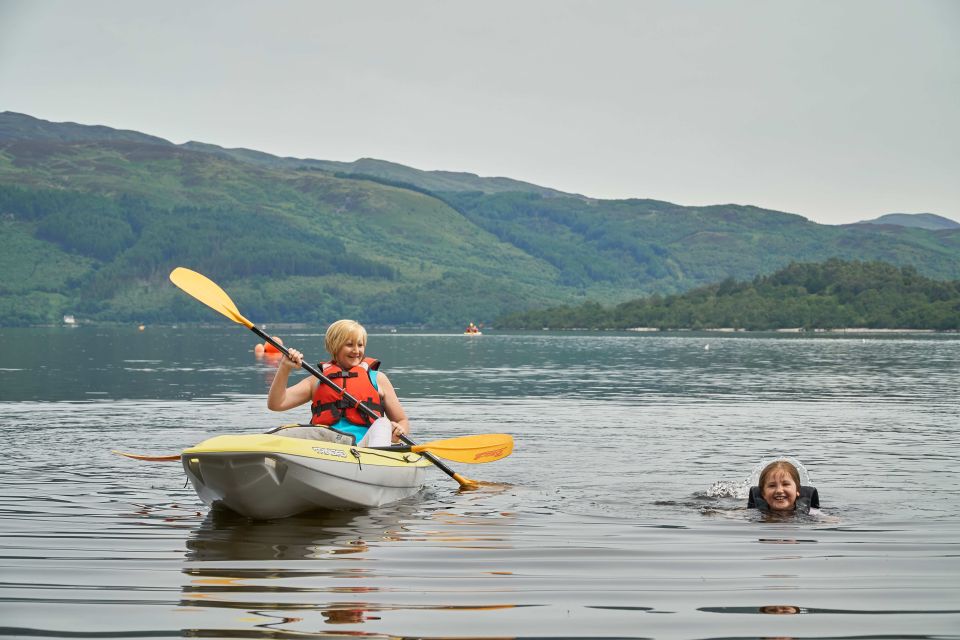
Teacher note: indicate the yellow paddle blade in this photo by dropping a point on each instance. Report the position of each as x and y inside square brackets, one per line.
[466, 484]
[476, 449]
[208, 292]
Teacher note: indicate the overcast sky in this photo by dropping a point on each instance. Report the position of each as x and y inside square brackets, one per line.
[836, 110]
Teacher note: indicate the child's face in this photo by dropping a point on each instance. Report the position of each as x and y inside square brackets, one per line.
[780, 491]
[351, 353]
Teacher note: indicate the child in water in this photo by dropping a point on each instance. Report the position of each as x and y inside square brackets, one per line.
[779, 490]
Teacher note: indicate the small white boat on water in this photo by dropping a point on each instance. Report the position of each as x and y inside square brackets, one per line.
[265, 476]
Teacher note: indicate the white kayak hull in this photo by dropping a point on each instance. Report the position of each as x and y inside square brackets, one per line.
[264, 476]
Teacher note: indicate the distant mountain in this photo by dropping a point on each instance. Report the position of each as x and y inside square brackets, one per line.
[19, 126]
[384, 171]
[914, 220]
[94, 218]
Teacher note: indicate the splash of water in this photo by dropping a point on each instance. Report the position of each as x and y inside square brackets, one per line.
[729, 489]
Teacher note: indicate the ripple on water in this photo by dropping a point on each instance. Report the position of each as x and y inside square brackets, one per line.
[620, 513]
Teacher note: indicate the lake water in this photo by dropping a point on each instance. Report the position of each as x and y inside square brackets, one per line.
[618, 515]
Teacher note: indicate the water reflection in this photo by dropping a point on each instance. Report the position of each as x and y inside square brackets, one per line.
[295, 575]
[790, 609]
[286, 557]
[780, 609]
[226, 536]
[592, 530]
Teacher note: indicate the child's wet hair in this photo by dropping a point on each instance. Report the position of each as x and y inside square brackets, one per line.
[779, 465]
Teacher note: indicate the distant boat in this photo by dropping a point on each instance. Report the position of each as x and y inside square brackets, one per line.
[69, 320]
[472, 330]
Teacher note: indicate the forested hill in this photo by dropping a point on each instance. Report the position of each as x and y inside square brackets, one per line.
[94, 219]
[831, 295]
[921, 220]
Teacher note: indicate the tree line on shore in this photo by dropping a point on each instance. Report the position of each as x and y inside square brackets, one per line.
[828, 295]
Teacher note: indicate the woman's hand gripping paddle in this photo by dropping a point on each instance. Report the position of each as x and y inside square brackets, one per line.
[209, 293]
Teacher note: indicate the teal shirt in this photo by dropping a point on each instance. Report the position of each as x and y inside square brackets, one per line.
[356, 430]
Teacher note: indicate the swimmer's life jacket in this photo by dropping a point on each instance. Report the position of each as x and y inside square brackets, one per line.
[329, 405]
[808, 498]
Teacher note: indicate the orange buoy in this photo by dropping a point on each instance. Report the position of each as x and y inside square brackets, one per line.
[269, 348]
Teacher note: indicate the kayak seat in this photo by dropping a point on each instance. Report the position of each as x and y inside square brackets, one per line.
[314, 432]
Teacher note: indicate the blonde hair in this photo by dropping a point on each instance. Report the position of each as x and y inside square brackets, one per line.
[779, 465]
[341, 332]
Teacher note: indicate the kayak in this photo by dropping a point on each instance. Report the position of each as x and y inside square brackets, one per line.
[266, 476]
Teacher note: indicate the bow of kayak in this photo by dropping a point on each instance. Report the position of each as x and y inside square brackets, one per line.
[265, 476]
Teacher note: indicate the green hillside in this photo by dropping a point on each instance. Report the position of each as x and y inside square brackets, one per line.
[381, 170]
[919, 220]
[95, 218]
[828, 295]
[631, 247]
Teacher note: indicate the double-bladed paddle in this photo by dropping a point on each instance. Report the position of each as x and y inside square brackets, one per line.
[475, 449]
[209, 293]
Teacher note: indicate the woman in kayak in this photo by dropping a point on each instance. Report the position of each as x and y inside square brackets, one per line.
[779, 490]
[346, 341]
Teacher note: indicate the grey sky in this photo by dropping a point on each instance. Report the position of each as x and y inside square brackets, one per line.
[836, 110]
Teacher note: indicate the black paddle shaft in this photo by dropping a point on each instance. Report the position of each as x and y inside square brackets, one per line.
[367, 410]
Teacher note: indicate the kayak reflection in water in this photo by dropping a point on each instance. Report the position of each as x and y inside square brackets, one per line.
[779, 491]
[780, 609]
[335, 418]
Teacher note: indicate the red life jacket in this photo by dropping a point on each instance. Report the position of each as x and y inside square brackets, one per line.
[329, 405]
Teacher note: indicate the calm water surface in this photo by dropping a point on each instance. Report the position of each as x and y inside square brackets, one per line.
[618, 515]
